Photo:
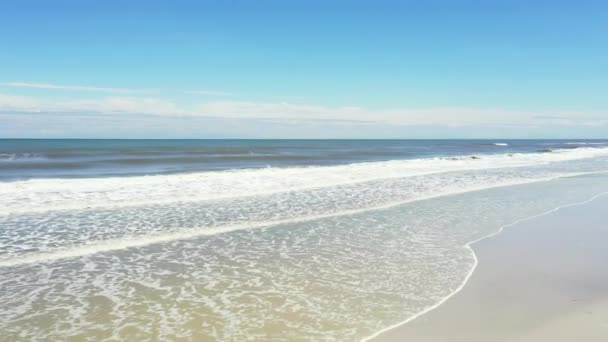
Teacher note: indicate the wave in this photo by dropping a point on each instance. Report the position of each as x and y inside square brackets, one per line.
[21, 157]
[494, 144]
[584, 143]
[39, 195]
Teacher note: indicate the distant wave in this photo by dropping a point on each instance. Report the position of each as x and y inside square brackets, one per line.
[21, 157]
[494, 144]
[585, 143]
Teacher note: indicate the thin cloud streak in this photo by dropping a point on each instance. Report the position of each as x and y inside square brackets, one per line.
[52, 86]
[75, 88]
[206, 92]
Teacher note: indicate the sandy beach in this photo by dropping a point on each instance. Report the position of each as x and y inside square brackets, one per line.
[541, 280]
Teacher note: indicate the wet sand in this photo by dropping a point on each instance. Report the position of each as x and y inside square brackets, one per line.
[541, 280]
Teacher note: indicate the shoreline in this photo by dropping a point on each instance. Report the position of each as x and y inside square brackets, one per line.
[394, 331]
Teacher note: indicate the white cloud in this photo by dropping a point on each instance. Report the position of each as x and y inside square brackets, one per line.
[107, 105]
[127, 105]
[445, 116]
[18, 103]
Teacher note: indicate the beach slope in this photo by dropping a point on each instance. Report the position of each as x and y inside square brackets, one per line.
[542, 280]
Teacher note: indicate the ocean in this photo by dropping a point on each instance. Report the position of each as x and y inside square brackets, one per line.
[272, 240]
[70, 158]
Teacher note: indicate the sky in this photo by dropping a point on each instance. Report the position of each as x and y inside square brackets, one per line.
[303, 69]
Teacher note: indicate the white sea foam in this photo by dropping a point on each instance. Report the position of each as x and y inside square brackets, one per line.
[146, 238]
[41, 195]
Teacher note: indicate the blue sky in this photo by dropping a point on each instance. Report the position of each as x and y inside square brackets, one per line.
[306, 69]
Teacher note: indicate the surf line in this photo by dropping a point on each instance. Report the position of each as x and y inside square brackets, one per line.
[204, 175]
[476, 262]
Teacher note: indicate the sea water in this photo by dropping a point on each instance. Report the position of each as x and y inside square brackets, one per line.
[347, 239]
